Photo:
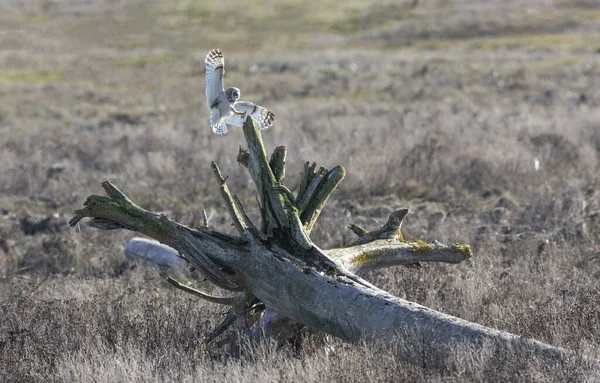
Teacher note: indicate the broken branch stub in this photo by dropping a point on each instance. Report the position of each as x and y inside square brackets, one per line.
[277, 163]
[283, 274]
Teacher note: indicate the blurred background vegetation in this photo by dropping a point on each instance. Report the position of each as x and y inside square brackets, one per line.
[480, 116]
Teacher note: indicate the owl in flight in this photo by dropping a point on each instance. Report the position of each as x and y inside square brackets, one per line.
[225, 109]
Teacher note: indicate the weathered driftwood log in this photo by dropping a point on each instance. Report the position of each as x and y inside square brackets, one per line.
[279, 271]
[149, 250]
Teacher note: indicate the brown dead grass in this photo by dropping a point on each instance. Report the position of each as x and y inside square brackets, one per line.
[449, 120]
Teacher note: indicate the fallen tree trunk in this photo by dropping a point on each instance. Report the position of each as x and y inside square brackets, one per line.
[279, 271]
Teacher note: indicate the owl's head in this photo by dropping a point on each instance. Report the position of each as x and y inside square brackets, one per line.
[232, 94]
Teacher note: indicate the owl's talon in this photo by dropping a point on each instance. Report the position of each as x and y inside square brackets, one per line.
[241, 114]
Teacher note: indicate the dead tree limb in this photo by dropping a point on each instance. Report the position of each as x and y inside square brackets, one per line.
[297, 282]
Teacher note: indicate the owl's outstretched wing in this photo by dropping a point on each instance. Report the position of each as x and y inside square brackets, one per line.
[217, 123]
[215, 70]
[264, 117]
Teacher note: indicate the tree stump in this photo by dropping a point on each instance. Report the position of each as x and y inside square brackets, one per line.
[285, 281]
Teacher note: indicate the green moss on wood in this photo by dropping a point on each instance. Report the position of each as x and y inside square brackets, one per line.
[366, 257]
[463, 249]
[127, 214]
[419, 247]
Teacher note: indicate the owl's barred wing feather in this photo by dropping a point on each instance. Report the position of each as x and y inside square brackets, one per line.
[215, 70]
[221, 127]
[264, 117]
[215, 118]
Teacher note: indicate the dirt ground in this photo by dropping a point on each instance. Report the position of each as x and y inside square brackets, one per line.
[482, 117]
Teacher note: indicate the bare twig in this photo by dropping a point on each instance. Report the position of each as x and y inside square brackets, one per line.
[204, 218]
[236, 216]
[251, 227]
[229, 301]
[224, 325]
[391, 229]
[359, 231]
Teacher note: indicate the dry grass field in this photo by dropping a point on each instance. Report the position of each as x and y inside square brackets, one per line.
[482, 117]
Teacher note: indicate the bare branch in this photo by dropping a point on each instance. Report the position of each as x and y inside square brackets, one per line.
[204, 218]
[391, 229]
[274, 197]
[105, 224]
[308, 175]
[382, 253]
[394, 222]
[311, 212]
[304, 181]
[277, 163]
[205, 249]
[251, 227]
[229, 301]
[304, 199]
[238, 220]
[224, 325]
[359, 231]
[112, 191]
